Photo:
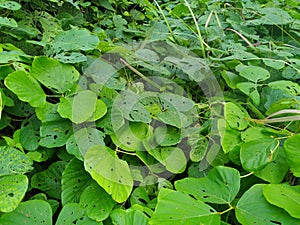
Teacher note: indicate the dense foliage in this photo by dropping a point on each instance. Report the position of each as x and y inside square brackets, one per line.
[140, 112]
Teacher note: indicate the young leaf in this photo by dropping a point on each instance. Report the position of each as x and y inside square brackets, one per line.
[53, 74]
[221, 185]
[109, 171]
[253, 208]
[12, 191]
[26, 88]
[97, 203]
[284, 196]
[32, 212]
[168, 211]
[292, 152]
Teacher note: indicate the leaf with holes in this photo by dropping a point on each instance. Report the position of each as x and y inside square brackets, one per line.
[55, 133]
[287, 86]
[284, 196]
[13, 161]
[73, 182]
[291, 146]
[49, 180]
[129, 216]
[253, 208]
[74, 213]
[130, 136]
[110, 172]
[188, 212]
[78, 107]
[167, 135]
[220, 186]
[97, 203]
[32, 212]
[53, 74]
[26, 88]
[11, 5]
[80, 142]
[12, 191]
[236, 116]
[258, 153]
[253, 73]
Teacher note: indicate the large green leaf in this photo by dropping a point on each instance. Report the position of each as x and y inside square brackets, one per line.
[109, 171]
[74, 213]
[26, 88]
[129, 217]
[292, 152]
[12, 191]
[49, 180]
[275, 171]
[253, 208]
[11, 5]
[258, 153]
[284, 196]
[78, 107]
[174, 207]
[33, 212]
[13, 161]
[74, 181]
[8, 22]
[253, 73]
[236, 117]
[74, 40]
[229, 137]
[97, 203]
[30, 133]
[53, 74]
[221, 185]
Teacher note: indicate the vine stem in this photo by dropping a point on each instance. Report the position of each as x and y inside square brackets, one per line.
[227, 210]
[247, 175]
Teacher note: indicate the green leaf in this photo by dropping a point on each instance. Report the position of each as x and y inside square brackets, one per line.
[272, 16]
[253, 208]
[99, 112]
[74, 40]
[250, 89]
[12, 191]
[284, 196]
[130, 136]
[33, 212]
[49, 180]
[258, 153]
[220, 186]
[175, 207]
[236, 116]
[74, 213]
[73, 182]
[129, 216]
[70, 57]
[253, 73]
[30, 134]
[109, 171]
[97, 203]
[275, 171]
[78, 107]
[48, 112]
[287, 86]
[26, 88]
[13, 161]
[8, 22]
[53, 74]
[291, 146]
[229, 137]
[167, 135]
[173, 159]
[276, 64]
[55, 133]
[11, 5]
[80, 142]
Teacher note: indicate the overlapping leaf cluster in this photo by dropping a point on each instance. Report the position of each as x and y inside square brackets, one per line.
[100, 97]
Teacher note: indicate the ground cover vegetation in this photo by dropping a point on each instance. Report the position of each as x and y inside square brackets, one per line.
[149, 112]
